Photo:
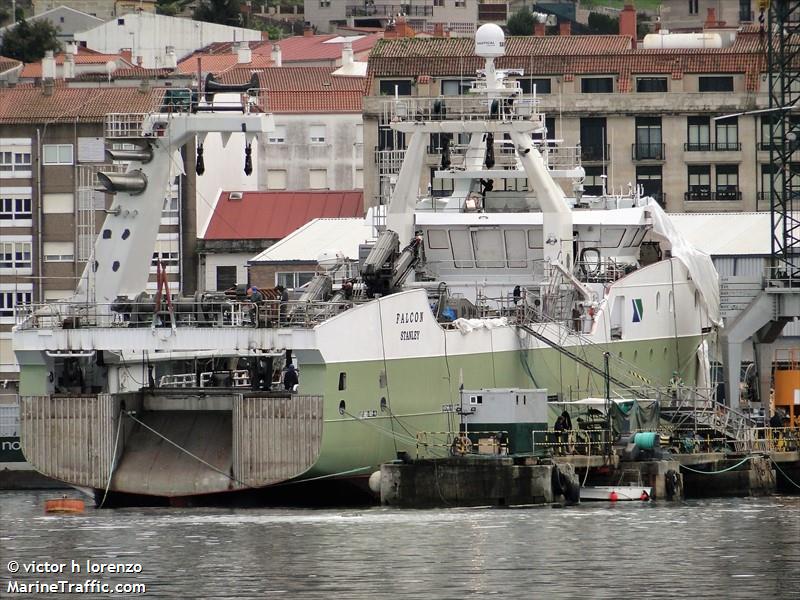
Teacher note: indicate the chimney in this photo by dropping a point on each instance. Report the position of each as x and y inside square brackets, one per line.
[711, 18]
[47, 87]
[347, 54]
[627, 23]
[48, 65]
[308, 31]
[564, 28]
[72, 48]
[126, 54]
[438, 30]
[69, 66]
[171, 60]
[539, 29]
[244, 54]
[275, 55]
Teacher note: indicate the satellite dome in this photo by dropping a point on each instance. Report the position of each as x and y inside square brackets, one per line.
[490, 41]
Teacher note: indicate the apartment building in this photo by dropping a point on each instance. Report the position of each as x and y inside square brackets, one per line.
[458, 17]
[694, 15]
[51, 147]
[639, 115]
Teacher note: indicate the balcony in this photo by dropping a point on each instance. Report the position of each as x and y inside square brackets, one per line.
[365, 9]
[647, 151]
[706, 195]
[595, 152]
[714, 147]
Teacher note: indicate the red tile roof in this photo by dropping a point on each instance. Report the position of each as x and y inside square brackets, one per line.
[90, 105]
[565, 55]
[274, 215]
[308, 48]
[7, 64]
[219, 63]
[304, 89]
[83, 57]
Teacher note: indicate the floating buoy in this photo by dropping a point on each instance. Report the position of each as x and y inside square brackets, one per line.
[613, 497]
[64, 505]
[645, 496]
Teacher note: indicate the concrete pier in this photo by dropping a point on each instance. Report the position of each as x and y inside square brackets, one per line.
[465, 481]
[730, 476]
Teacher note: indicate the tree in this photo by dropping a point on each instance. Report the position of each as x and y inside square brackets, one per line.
[171, 7]
[603, 24]
[521, 22]
[224, 12]
[29, 41]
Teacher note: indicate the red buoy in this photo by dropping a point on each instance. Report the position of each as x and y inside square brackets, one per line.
[613, 497]
[64, 505]
[645, 496]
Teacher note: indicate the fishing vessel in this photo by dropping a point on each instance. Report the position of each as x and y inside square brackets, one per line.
[506, 282]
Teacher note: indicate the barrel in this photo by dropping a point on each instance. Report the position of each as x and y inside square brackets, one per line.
[646, 440]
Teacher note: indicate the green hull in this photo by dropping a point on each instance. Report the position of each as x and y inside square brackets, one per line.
[356, 443]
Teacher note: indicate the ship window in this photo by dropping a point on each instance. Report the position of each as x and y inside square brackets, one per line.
[516, 250]
[126, 234]
[658, 301]
[342, 381]
[611, 237]
[461, 248]
[383, 404]
[488, 245]
[382, 379]
[106, 234]
[671, 302]
[535, 239]
[342, 407]
[437, 239]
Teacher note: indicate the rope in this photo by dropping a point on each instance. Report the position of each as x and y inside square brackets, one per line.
[113, 460]
[739, 464]
[185, 451]
[784, 473]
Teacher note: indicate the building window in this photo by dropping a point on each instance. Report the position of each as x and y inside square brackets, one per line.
[318, 179]
[651, 84]
[14, 209]
[440, 187]
[593, 138]
[593, 182]
[15, 255]
[15, 160]
[390, 139]
[454, 87]
[57, 154]
[460, 3]
[542, 85]
[699, 182]
[59, 251]
[699, 134]
[716, 83]
[745, 13]
[9, 299]
[172, 207]
[388, 87]
[648, 144]
[597, 85]
[728, 134]
[324, 3]
[278, 136]
[693, 7]
[728, 182]
[168, 258]
[276, 179]
[317, 135]
[293, 279]
[58, 203]
[649, 177]
[226, 277]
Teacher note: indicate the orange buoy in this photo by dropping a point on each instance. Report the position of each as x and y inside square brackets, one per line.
[613, 497]
[64, 505]
[645, 496]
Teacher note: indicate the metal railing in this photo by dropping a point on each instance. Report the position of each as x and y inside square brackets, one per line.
[647, 151]
[461, 443]
[461, 108]
[229, 313]
[717, 195]
[713, 147]
[595, 152]
[370, 9]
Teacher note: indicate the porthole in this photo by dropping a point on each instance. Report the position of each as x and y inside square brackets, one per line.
[106, 234]
[342, 407]
[383, 404]
[126, 234]
[115, 266]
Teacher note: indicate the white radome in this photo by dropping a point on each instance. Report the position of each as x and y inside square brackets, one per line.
[328, 259]
[490, 41]
[375, 482]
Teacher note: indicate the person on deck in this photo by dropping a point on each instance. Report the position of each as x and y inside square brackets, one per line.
[559, 429]
[290, 378]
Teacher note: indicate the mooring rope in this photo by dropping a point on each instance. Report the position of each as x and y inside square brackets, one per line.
[784, 473]
[113, 460]
[739, 464]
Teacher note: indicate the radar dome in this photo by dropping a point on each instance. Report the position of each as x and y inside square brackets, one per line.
[490, 41]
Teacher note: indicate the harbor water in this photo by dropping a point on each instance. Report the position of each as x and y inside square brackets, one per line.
[723, 548]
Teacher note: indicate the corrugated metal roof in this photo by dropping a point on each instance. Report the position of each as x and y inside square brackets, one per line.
[309, 241]
[274, 215]
[726, 234]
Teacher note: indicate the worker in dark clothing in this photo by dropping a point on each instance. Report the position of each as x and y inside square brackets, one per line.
[290, 378]
[559, 428]
[567, 433]
[283, 306]
[254, 294]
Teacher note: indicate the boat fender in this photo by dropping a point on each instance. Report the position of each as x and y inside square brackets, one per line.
[572, 489]
[672, 483]
[375, 482]
[556, 481]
